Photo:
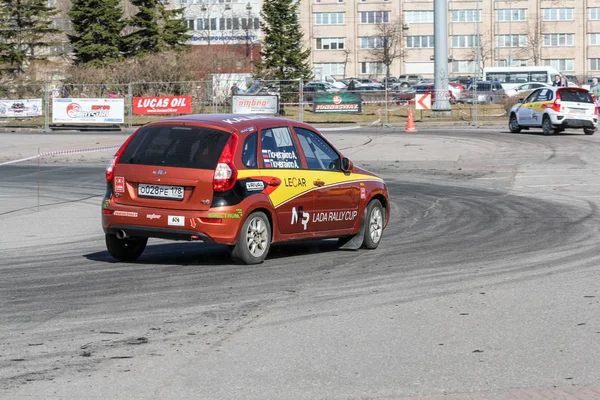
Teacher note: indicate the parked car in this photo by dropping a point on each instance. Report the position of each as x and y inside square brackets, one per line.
[555, 109]
[245, 181]
[407, 80]
[392, 81]
[483, 92]
[318, 87]
[573, 80]
[524, 87]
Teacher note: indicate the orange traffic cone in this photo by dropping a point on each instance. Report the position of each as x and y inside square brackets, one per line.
[410, 124]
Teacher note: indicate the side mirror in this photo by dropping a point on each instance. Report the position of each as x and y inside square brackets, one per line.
[346, 165]
[520, 100]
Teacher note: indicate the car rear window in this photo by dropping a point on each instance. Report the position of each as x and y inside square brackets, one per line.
[176, 146]
[580, 96]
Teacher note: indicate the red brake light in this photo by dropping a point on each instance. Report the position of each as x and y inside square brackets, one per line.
[557, 102]
[110, 169]
[225, 172]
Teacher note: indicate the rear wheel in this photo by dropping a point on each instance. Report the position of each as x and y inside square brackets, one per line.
[589, 131]
[254, 241]
[513, 124]
[374, 226]
[547, 127]
[128, 249]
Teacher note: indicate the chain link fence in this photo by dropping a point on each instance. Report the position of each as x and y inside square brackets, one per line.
[33, 105]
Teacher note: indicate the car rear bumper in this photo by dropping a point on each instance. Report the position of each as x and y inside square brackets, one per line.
[575, 122]
[219, 225]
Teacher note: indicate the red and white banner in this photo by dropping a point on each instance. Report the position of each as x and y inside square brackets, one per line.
[103, 111]
[162, 105]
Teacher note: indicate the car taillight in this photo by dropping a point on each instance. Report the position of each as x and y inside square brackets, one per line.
[225, 172]
[556, 106]
[110, 169]
[595, 110]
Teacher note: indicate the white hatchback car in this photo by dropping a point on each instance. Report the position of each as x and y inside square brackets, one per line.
[555, 109]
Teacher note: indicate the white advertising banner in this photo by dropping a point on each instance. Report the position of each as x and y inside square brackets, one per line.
[20, 108]
[97, 111]
[255, 104]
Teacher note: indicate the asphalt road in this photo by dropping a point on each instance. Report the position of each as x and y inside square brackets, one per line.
[486, 284]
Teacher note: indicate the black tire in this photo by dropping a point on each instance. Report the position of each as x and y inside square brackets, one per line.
[375, 220]
[255, 240]
[128, 249]
[513, 124]
[547, 128]
[404, 85]
[589, 131]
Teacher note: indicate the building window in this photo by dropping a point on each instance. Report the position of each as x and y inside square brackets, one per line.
[595, 64]
[329, 18]
[371, 42]
[419, 42]
[331, 68]
[464, 66]
[330, 43]
[512, 40]
[419, 17]
[557, 14]
[464, 41]
[374, 17]
[594, 39]
[513, 63]
[190, 24]
[561, 64]
[372, 68]
[466, 15]
[512, 14]
[559, 39]
[594, 13]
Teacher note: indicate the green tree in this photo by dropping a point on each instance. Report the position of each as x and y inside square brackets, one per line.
[97, 26]
[25, 29]
[155, 29]
[282, 56]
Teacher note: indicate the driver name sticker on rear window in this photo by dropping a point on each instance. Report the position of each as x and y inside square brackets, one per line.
[280, 159]
[176, 220]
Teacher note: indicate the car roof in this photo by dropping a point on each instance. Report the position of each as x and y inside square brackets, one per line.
[232, 122]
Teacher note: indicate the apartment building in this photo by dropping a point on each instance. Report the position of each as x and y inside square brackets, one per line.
[221, 22]
[343, 34]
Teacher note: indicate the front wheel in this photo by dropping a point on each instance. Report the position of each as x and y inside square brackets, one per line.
[128, 249]
[254, 241]
[374, 226]
[513, 124]
[547, 127]
[589, 131]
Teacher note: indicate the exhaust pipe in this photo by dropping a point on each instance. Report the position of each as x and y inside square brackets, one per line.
[121, 234]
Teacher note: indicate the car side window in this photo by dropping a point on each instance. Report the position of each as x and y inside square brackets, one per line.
[543, 95]
[278, 149]
[249, 151]
[319, 154]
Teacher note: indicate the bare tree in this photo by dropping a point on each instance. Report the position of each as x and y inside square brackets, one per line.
[485, 50]
[347, 54]
[535, 39]
[388, 44]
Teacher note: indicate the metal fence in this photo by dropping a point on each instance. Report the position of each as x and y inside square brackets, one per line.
[378, 107]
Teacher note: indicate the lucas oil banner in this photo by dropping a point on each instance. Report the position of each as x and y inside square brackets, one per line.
[162, 105]
[102, 111]
[20, 108]
[337, 103]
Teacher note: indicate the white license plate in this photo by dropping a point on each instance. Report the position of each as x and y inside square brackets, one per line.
[577, 110]
[161, 191]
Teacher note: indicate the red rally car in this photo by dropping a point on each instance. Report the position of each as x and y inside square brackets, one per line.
[242, 180]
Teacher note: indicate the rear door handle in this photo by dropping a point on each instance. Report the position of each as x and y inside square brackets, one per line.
[318, 183]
